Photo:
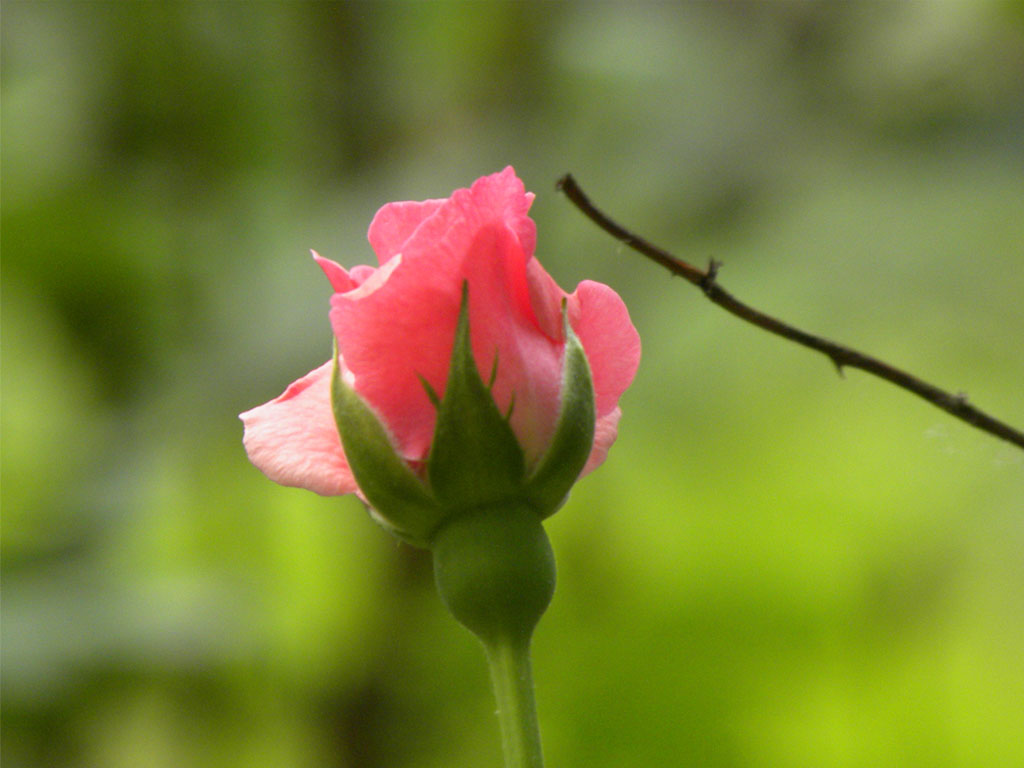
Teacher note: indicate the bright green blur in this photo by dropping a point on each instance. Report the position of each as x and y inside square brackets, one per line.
[775, 567]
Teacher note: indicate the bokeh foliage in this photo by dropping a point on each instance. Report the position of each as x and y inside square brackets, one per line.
[776, 566]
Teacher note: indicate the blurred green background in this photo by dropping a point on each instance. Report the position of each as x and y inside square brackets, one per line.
[776, 567]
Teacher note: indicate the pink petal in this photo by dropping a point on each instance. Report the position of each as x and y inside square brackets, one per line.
[343, 280]
[395, 223]
[605, 431]
[339, 278]
[361, 273]
[415, 229]
[600, 319]
[293, 439]
[546, 299]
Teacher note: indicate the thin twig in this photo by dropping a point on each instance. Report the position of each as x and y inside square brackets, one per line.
[841, 357]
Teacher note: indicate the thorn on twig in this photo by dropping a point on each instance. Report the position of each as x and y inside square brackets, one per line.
[839, 366]
[707, 282]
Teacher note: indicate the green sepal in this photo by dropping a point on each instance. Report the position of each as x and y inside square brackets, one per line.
[399, 499]
[475, 458]
[553, 478]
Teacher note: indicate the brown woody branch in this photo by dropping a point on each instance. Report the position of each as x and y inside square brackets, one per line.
[841, 357]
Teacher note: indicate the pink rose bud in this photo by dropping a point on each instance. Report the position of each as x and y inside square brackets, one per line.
[396, 331]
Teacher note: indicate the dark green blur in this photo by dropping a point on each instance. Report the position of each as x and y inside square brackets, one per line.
[776, 566]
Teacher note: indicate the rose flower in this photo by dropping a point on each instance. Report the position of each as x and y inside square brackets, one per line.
[396, 324]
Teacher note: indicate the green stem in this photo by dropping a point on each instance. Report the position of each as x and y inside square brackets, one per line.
[509, 658]
[495, 572]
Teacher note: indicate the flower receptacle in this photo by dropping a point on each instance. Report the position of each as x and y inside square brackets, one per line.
[495, 571]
